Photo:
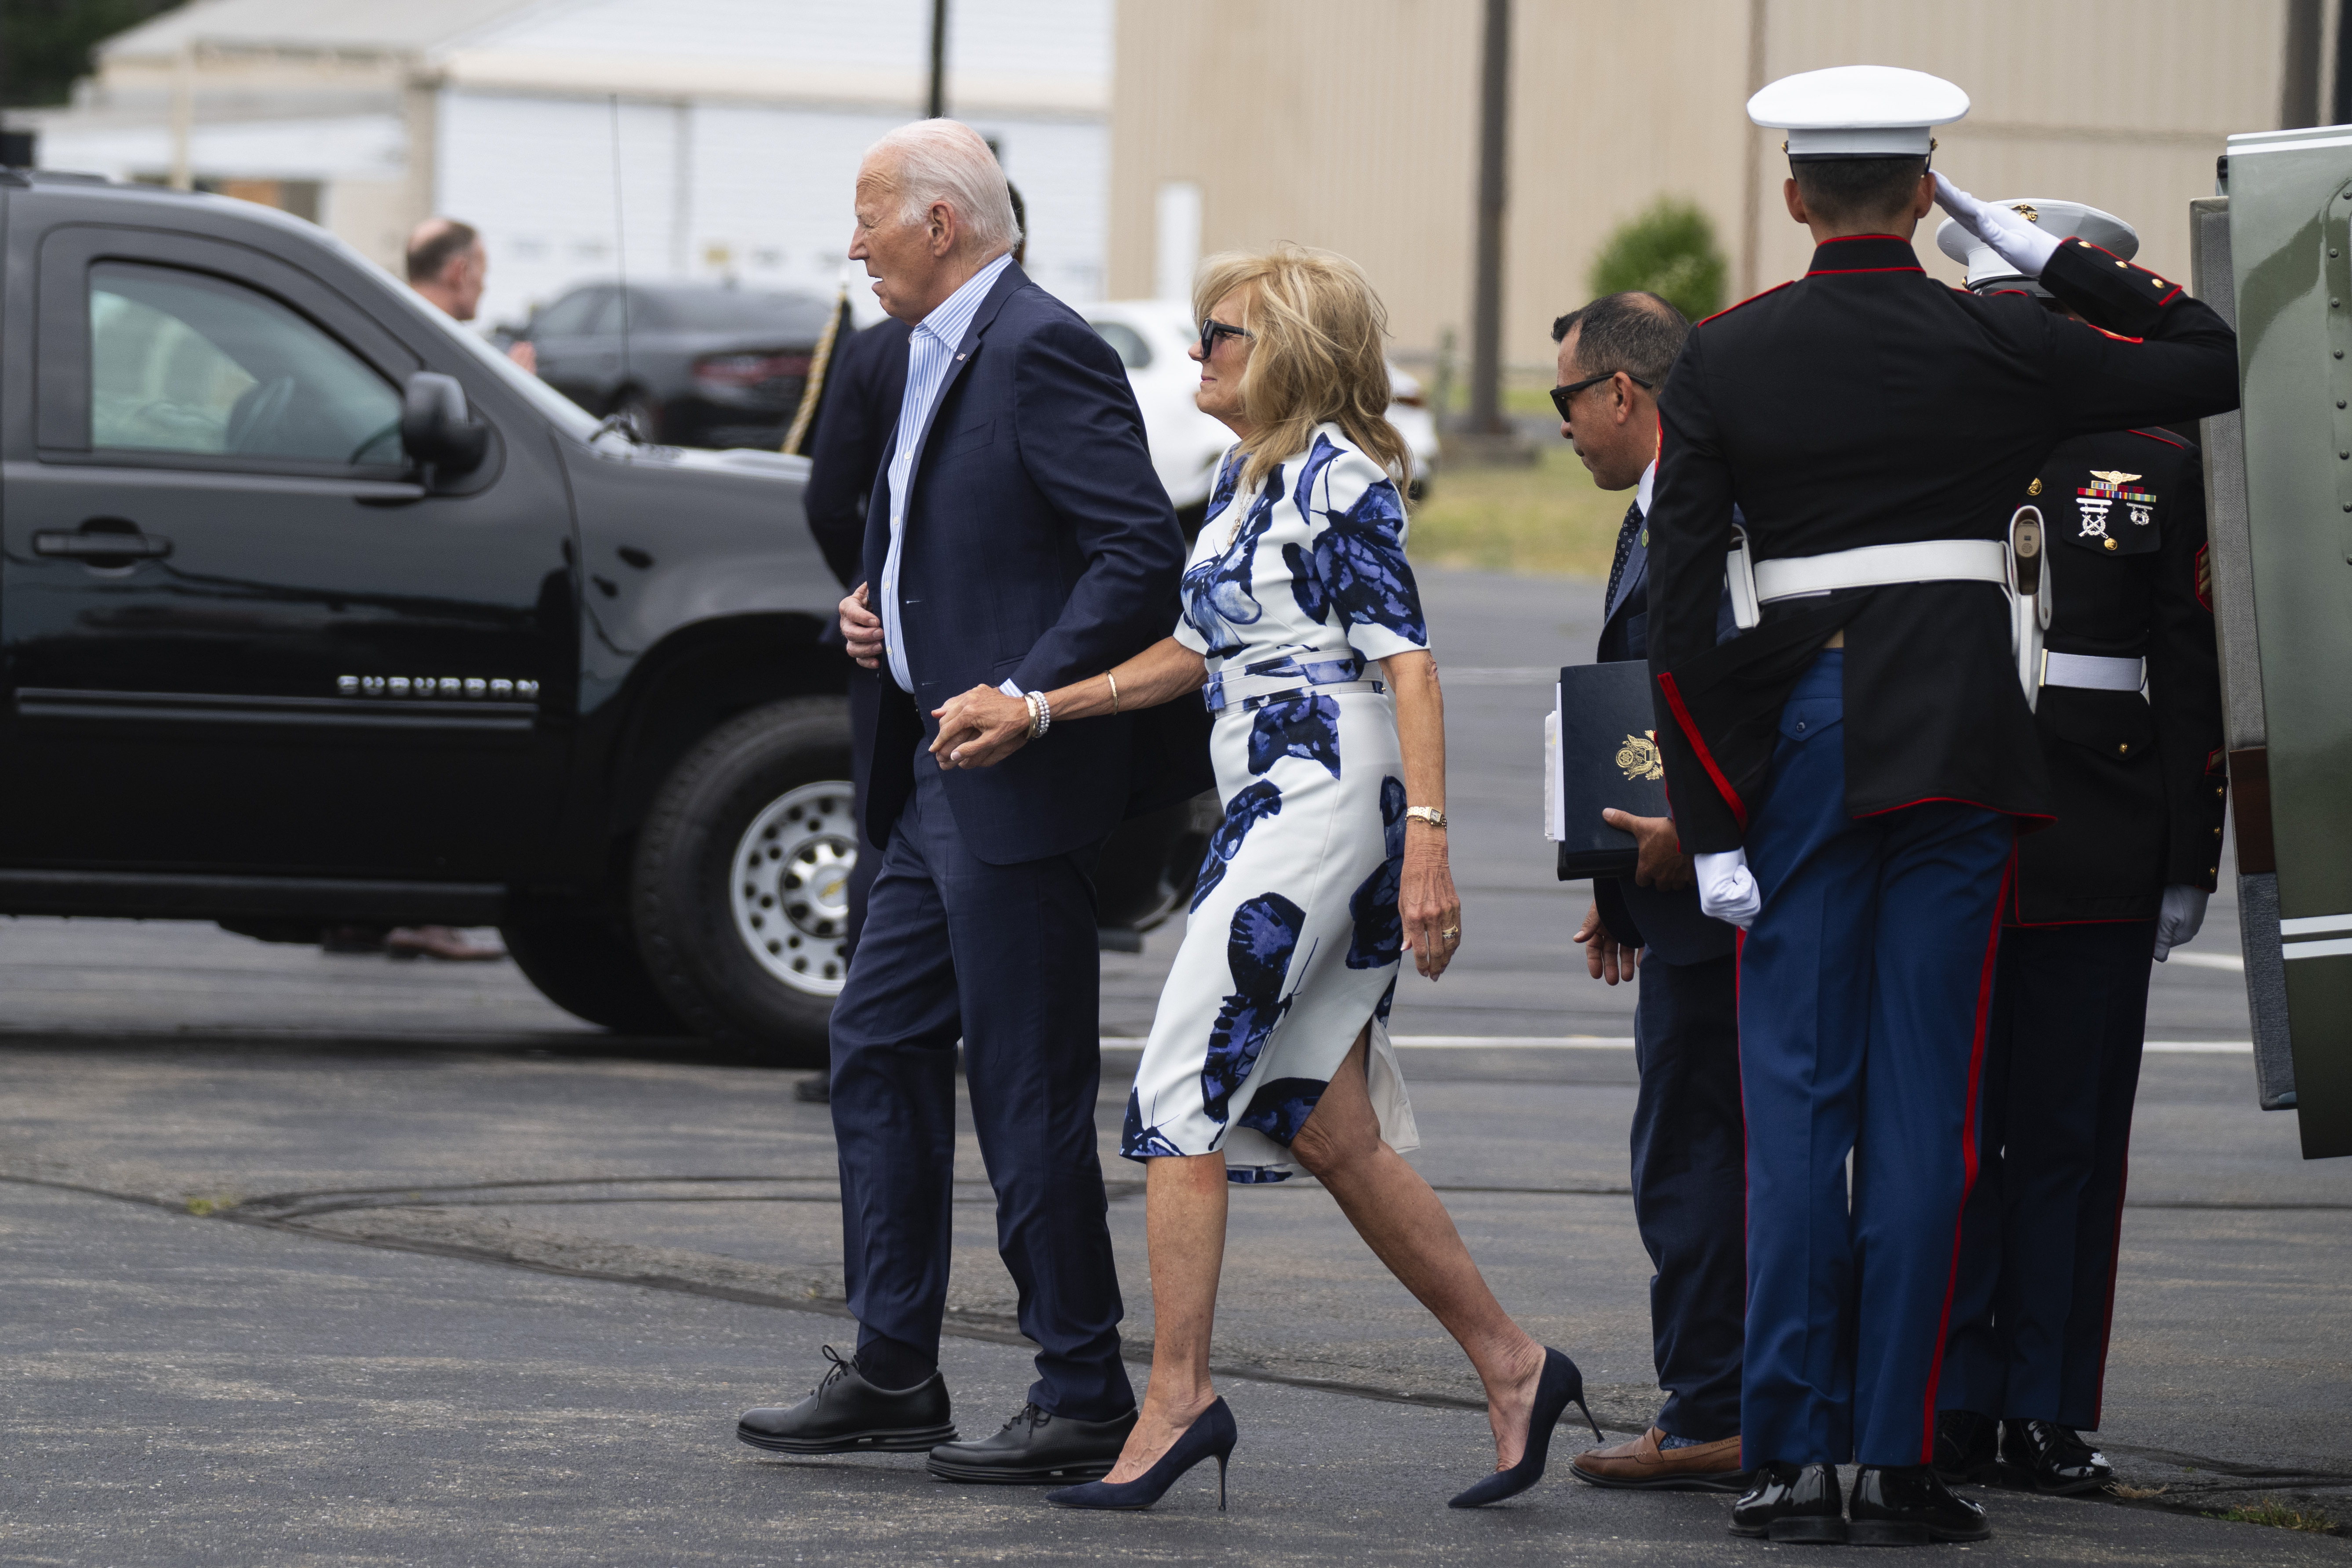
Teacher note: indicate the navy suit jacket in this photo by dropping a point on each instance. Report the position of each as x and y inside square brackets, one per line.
[1040, 548]
[1668, 924]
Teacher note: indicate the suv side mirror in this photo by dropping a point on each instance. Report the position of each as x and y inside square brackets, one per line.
[435, 427]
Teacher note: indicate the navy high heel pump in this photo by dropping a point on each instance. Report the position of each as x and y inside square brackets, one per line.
[1213, 1432]
[1561, 1385]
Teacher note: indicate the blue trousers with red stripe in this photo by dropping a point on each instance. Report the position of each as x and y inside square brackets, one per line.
[1864, 988]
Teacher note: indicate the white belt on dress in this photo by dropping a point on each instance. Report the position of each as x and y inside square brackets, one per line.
[2094, 671]
[1245, 690]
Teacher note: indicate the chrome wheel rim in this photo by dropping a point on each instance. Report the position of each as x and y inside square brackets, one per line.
[790, 887]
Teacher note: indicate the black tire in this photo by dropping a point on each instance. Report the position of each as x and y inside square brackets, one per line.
[587, 963]
[733, 797]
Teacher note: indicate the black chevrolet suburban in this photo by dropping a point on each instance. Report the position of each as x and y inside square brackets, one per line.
[315, 609]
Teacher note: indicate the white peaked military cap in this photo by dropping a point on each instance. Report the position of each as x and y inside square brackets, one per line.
[1858, 112]
[2064, 220]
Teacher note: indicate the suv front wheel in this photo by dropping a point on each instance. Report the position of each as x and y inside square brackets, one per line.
[739, 894]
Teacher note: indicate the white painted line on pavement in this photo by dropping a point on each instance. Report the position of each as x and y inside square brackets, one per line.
[1511, 1042]
[1606, 1042]
[2229, 961]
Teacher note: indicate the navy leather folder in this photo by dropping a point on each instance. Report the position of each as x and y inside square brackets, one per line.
[1607, 756]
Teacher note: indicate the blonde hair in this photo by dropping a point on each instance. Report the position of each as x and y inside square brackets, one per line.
[1316, 354]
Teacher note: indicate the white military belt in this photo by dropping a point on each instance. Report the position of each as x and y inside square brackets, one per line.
[2094, 671]
[1883, 566]
[2015, 565]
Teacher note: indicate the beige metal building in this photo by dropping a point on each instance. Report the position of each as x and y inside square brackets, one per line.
[1353, 124]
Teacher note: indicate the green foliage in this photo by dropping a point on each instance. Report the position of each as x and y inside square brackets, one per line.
[46, 43]
[1668, 250]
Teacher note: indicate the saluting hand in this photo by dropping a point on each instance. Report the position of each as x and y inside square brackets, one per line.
[981, 728]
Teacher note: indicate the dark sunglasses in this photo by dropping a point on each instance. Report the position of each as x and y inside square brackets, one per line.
[1212, 330]
[1562, 396]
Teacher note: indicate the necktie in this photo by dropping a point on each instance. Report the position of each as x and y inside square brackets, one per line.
[1625, 536]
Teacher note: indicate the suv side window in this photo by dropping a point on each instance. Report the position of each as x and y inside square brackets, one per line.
[184, 361]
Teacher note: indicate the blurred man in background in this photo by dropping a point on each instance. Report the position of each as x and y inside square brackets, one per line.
[448, 265]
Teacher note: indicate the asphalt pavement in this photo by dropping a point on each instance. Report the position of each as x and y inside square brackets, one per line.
[318, 1257]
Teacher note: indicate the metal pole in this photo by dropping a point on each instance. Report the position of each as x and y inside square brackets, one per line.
[1486, 307]
[2299, 75]
[183, 116]
[2343, 94]
[1751, 201]
[939, 59]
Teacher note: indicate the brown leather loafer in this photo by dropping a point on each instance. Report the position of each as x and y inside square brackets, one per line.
[1640, 1465]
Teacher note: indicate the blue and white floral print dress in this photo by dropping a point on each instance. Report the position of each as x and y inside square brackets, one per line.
[1294, 938]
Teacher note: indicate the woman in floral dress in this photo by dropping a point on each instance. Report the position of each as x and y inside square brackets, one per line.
[1303, 632]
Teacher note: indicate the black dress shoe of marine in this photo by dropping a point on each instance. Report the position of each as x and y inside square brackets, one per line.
[2054, 1457]
[1965, 1446]
[1907, 1505]
[1036, 1447]
[1792, 1502]
[847, 1415]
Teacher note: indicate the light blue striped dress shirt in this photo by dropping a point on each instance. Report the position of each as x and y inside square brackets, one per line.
[930, 352]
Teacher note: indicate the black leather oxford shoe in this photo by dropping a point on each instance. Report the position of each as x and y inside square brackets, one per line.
[1036, 1447]
[1907, 1505]
[847, 1415]
[1965, 1446]
[2054, 1458]
[1792, 1502]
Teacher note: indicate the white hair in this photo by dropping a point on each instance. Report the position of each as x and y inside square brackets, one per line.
[936, 162]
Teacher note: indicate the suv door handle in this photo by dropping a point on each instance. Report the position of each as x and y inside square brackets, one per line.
[84, 545]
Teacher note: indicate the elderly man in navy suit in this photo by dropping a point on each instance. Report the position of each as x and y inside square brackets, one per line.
[1016, 535]
[1689, 1188]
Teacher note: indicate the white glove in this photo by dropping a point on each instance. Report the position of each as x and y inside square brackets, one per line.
[2027, 247]
[2178, 917]
[1725, 890]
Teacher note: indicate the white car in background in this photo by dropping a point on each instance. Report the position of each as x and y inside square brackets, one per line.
[1151, 336]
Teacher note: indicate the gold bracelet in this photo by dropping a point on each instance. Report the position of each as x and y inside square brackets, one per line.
[1114, 690]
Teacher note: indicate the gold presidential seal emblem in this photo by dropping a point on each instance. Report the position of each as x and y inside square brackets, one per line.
[1639, 758]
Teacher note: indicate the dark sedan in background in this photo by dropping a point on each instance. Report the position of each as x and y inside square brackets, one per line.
[700, 364]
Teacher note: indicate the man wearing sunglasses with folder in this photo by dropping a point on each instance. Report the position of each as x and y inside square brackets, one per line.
[1686, 1140]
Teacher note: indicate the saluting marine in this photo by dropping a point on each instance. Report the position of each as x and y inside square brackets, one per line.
[1851, 771]
[2139, 786]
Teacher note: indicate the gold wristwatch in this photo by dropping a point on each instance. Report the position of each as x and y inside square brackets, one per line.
[1430, 814]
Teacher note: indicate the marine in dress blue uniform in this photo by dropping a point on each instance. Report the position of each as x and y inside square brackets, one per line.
[2139, 786]
[1855, 805]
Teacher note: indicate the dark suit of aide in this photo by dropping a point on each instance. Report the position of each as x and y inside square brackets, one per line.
[2140, 789]
[855, 418]
[1689, 1188]
[1037, 547]
[1876, 788]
